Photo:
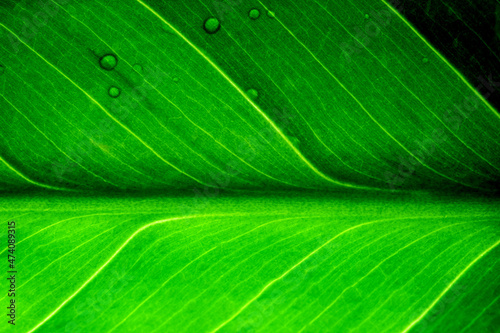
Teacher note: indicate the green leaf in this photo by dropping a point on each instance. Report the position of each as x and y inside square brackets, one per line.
[326, 144]
[331, 113]
[239, 263]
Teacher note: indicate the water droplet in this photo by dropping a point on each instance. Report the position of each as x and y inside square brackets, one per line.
[271, 14]
[252, 93]
[71, 10]
[176, 79]
[168, 29]
[108, 62]
[2, 69]
[114, 91]
[425, 60]
[294, 140]
[138, 68]
[367, 16]
[211, 25]
[254, 14]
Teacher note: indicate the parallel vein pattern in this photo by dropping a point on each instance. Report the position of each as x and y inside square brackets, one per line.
[269, 266]
[333, 110]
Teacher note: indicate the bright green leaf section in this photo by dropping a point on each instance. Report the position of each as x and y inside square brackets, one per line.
[164, 95]
[287, 263]
[325, 108]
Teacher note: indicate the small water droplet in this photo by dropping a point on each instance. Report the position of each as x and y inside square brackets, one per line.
[425, 60]
[138, 68]
[168, 29]
[294, 140]
[2, 69]
[71, 10]
[252, 93]
[271, 14]
[108, 62]
[211, 25]
[254, 14]
[176, 79]
[367, 16]
[114, 91]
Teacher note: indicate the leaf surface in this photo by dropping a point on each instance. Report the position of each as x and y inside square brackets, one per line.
[390, 265]
[334, 110]
[339, 166]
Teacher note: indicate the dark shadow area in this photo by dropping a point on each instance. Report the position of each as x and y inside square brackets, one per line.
[465, 32]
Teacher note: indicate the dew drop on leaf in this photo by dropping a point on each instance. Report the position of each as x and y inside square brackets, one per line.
[367, 16]
[2, 69]
[211, 25]
[138, 68]
[425, 60]
[168, 29]
[108, 62]
[114, 91]
[254, 14]
[71, 10]
[294, 140]
[176, 79]
[252, 93]
[271, 14]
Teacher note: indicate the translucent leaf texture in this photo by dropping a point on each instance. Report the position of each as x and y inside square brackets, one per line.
[286, 263]
[344, 173]
[328, 115]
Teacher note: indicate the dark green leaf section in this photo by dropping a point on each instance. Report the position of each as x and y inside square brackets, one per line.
[327, 107]
[467, 33]
[271, 264]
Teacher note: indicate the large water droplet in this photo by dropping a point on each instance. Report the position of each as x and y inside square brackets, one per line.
[211, 25]
[138, 68]
[271, 14]
[108, 62]
[367, 16]
[2, 69]
[252, 93]
[168, 29]
[114, 91]
[425, 60]
[254, 14]
[176, 79]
